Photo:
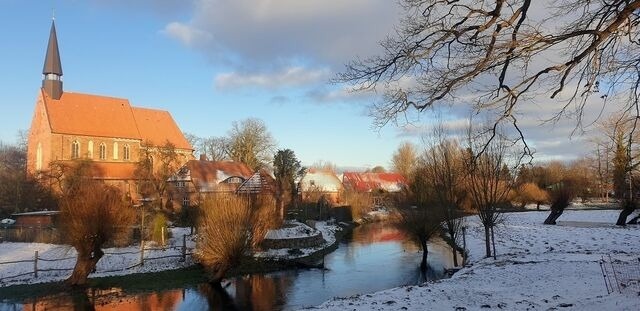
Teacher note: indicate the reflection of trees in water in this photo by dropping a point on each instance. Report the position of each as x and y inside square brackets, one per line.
[217, 297]
[262, 292]
[107, 299]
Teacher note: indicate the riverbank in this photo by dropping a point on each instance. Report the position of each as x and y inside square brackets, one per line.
[55, 262]
[537, 267]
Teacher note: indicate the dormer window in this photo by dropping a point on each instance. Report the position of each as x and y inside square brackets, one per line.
[75, 149]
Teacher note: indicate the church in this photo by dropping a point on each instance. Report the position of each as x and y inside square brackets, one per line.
[68, 126]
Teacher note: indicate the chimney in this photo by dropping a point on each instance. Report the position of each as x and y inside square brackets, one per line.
[203, 157]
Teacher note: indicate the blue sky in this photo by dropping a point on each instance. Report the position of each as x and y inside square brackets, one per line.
[212, 62]
[125, 50]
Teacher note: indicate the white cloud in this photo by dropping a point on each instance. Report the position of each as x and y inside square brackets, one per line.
[264, 32]
[287, 77]
[187, 35]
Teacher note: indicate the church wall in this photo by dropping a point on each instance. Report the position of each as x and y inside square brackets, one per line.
[39, 134]
[62, 148]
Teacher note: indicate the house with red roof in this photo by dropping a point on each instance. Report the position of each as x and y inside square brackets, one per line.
[369, 182]
[67, 126]
[200, 178]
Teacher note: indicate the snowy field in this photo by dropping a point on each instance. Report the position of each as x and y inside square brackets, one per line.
[116, 261]
[538, 267]
[119, 261]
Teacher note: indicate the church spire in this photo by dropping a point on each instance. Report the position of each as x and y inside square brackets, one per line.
[52, 70]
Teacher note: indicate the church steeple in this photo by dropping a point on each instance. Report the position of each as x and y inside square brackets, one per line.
[52, 70]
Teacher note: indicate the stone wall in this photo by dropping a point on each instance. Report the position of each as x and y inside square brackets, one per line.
[303, 242]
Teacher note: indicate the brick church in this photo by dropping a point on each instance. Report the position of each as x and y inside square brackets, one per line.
[67, 126]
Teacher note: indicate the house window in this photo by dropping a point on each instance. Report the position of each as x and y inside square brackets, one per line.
[312, 182]
[185, 201]
[75, 149]
[126, 153]
[180, 184]
[234, 180]
[90, 149]
[103, 151]
[115, 151]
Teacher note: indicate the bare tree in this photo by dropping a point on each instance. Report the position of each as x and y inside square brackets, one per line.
[404, 159]
[215, 148]
[444, 165]
[421, 223]
[501, 54]
[92, 214]
[230, 226]
[487, 185]
[157, 164]
[530, 193]
[250, 143]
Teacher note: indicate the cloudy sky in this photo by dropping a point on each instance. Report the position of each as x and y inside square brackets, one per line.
[212, 62]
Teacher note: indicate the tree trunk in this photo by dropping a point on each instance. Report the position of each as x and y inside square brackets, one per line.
[537, 205]
[487, 242]
[454, 248]
[85, 264]
[627, 209]
[425, 253]
[553, 216]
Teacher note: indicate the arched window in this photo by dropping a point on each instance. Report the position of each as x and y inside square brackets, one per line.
[126, 153]
[90, 149]
[103, 151]
[39, 157]
[115, 151]
[75, 149]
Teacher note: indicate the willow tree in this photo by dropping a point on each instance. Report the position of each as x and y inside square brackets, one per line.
[92, 214]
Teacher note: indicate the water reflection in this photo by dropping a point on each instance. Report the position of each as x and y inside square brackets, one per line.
[373, 258]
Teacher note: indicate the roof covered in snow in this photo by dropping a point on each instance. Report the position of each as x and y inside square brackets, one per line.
[320, 180]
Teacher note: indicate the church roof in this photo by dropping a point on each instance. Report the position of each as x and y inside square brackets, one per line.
[52, 62]
[93, 115]
[158, 127]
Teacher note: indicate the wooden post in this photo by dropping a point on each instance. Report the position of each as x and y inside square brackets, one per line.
[464, 245]
[184, 247]
[142, 235]
[162, 230]
[35, 265]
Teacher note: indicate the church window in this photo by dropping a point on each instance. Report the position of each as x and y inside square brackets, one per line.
[39, 157]
[75, 149]
[115, 151]
[103, 151]
[126, 153]
[90, 149]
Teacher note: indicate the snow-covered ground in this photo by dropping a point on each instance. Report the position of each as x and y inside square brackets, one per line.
[116, 261]
[538, 268]
[119, 261]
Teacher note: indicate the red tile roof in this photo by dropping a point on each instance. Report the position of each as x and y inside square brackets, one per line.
[158, 127]
[366, 182]
[217, 171]
[113, 170]
[93, 115]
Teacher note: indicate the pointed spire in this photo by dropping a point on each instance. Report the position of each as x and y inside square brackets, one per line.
[52, 70]
[52, 62]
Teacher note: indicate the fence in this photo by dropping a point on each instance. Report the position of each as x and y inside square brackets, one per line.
[138, 257]
[620, 276]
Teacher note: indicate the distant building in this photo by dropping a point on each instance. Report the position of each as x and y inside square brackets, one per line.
[369, 182]
[316, 183]
[68, 126]
[198, 179]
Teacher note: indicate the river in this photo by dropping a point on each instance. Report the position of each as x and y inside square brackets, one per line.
[371, 258]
